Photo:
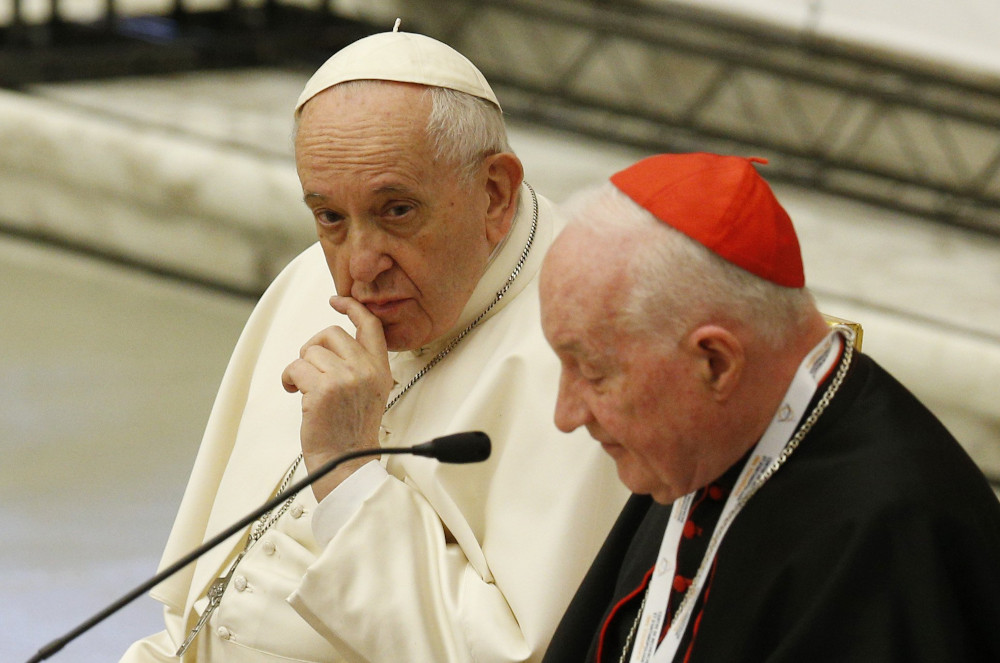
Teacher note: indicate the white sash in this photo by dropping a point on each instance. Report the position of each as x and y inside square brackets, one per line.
[811, 371]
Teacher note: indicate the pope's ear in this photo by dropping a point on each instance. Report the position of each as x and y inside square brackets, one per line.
[720, 356]
[504, 174]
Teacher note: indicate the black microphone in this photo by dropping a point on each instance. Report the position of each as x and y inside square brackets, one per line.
[470, 447]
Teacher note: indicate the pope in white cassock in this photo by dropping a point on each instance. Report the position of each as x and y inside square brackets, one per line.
[434, 244]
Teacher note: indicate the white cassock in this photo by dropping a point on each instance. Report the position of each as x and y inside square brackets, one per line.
[424, 562]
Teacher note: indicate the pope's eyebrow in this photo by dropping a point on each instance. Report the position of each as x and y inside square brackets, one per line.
[381, 191]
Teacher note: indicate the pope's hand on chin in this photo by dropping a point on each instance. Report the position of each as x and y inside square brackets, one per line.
[354, 309]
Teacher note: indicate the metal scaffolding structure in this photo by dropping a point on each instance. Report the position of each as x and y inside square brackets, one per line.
[835, 117]
[184, 36]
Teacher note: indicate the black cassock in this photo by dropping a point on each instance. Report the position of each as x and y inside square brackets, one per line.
[878, 540]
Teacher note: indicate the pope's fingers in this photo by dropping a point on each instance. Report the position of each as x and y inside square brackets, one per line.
[335, 338]
[288, 380]
[370, 334]
[322, 369]
[303, 375]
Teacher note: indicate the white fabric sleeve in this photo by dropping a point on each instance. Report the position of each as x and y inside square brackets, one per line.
[406, 575]
[344, 501]
[159, 647]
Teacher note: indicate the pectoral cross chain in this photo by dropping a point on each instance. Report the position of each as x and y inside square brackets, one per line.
[215, 592]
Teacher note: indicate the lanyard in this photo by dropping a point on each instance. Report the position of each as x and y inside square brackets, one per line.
[810, 373]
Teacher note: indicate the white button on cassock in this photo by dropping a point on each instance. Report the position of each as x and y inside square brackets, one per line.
[223, 633]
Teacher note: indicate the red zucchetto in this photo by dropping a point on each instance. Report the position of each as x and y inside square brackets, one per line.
[722, 203]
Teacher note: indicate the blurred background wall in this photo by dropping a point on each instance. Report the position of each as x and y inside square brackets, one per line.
[148, 195]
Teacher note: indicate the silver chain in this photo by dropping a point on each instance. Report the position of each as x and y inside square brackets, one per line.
[259, 528]
[265, 522]
[635, 625]
[789, 448]
[496, 300]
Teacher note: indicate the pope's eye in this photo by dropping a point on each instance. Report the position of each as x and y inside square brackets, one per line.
[399, 210]
[328, 218]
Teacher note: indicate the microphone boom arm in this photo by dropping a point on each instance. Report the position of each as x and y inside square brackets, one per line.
[430, 449]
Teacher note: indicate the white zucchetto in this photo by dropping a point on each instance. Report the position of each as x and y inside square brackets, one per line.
[402, 57]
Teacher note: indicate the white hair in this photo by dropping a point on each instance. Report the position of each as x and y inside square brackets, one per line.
[464, 129]
[675, 282]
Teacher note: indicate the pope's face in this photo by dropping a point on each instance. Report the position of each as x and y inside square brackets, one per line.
[402, 233]
[636, 398]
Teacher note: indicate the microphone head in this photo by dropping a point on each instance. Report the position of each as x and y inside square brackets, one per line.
[469, 447]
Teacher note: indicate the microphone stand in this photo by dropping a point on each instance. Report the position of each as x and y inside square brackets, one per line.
[426, 449]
